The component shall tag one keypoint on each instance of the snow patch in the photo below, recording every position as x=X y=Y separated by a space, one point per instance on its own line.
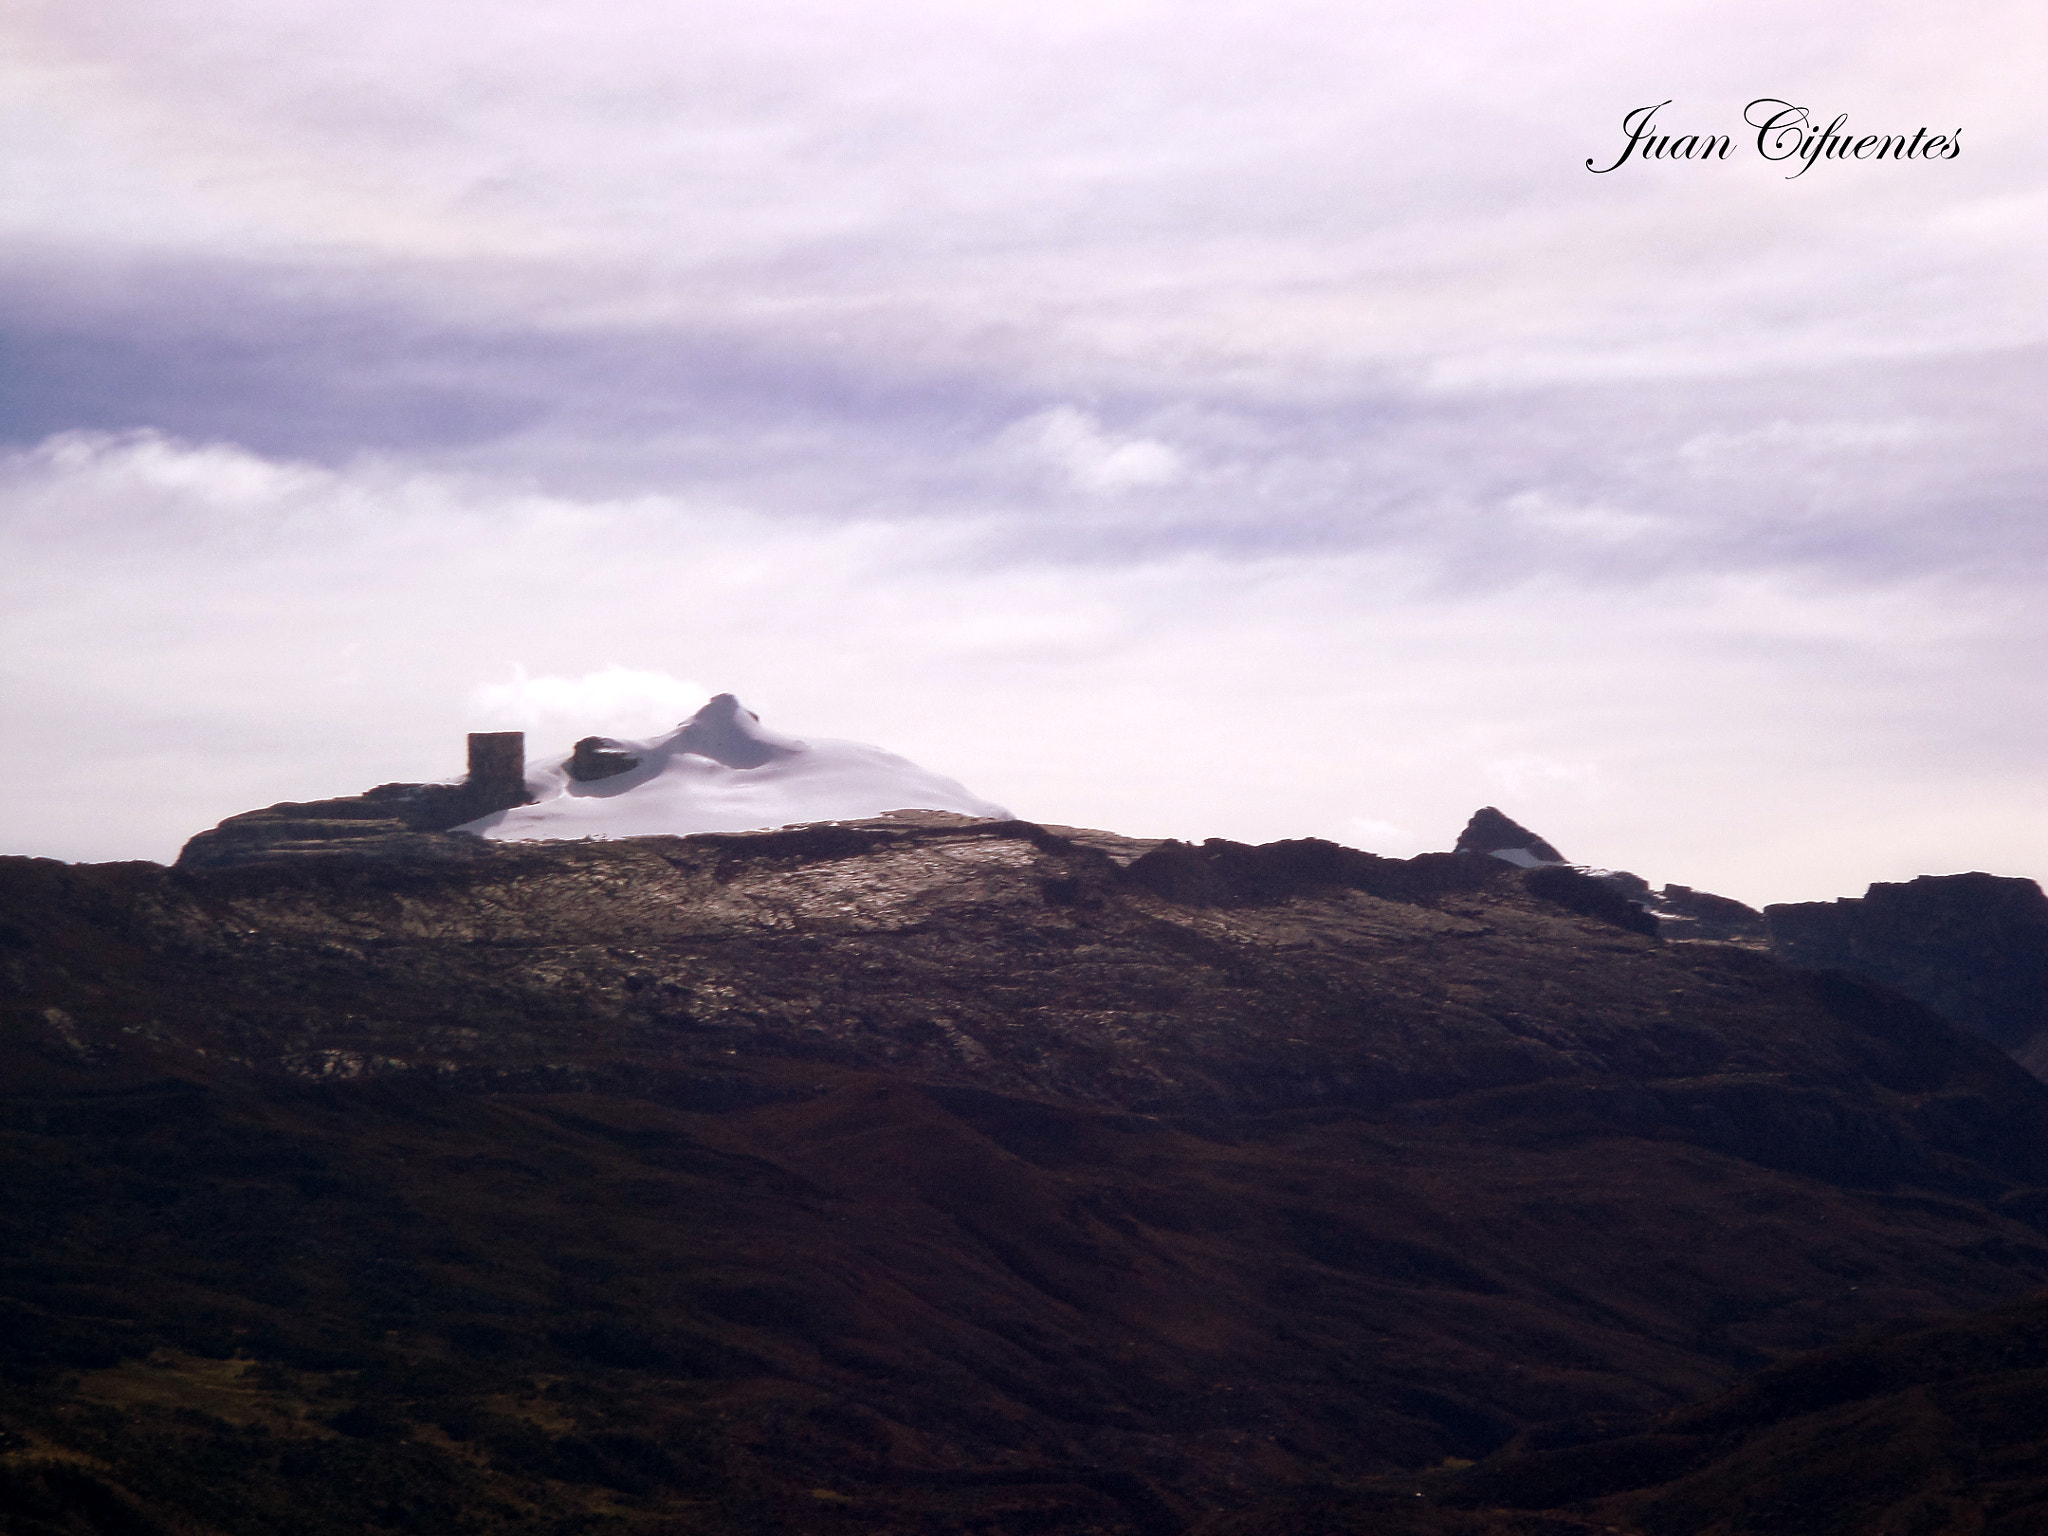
x=721 y=770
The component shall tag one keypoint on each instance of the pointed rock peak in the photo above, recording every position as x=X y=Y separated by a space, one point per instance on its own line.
x=1491 y=832
x=727 y=732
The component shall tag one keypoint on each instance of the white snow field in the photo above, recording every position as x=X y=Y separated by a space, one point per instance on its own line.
x=721 y=771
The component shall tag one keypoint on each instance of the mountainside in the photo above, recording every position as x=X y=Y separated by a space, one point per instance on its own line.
x=720 y=770
x=1972 y=947
x=930 y=1173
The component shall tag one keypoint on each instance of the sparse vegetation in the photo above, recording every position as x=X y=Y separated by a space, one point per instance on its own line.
x=668 y=1188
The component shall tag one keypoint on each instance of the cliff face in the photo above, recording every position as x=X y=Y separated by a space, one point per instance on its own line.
x=1972 y=947
x=979 y=1174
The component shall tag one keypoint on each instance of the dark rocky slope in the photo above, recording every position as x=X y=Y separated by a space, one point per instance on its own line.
x=1973 y=947
x=925 y=1174
x=1675 y=912
x=1933 y=1429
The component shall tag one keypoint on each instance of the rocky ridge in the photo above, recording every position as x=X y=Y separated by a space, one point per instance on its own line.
x=995 y=954
x=984 y=1175
x=392 y=821
x=1973 y=947
x=1676 y=912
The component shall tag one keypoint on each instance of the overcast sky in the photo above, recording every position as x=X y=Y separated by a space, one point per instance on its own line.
x=1195 y=419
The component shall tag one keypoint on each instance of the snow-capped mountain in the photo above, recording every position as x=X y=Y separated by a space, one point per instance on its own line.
x=721 y=770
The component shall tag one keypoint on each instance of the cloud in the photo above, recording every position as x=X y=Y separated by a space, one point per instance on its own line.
x=1523 y=774
x=1093 y=460
x=1239 y=419
x=616 y=701
x=1387 y=838
x=205 y=630
x=1277 y=197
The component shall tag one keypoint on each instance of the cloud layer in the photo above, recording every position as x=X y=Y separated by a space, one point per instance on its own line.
x=243 y=630
x=1226 y=420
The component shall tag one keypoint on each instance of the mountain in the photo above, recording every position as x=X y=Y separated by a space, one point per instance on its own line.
x=937 y=1173
x=1677 y=912
x=719 y=771
x=1973 y=947
x=1490 y=831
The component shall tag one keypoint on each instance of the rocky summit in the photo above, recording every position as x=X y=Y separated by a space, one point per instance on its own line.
x=944 y=1174
x=1491 y=831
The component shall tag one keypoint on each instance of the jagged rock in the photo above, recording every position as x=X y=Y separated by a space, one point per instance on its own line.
x=1695 y=914
x=1634 y=905
x=1613 y=897
x=599 y=757
x=1973 y=947
x=1221 y=873
x=1490 y=831
x=1595 y=897
x=1630 y=885
x=1684 y=913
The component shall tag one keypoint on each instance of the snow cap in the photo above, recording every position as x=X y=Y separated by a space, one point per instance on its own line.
x=727 y=732
x=720 y=770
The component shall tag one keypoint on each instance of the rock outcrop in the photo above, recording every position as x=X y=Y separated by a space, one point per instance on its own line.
x=1490 y=831
x=391 y=821
x=1683 y=913
x=599 y=757
x=1623 y=898
x=1973 y=947
x=1690 y=914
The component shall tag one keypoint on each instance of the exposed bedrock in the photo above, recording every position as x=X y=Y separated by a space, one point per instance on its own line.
x=1973 y=947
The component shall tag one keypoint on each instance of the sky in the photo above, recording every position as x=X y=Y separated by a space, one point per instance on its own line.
x=1191 y=419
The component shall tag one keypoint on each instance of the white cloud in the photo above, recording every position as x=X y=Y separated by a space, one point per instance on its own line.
x=1209 y=419
x=1281 y=195
x=1525 y=774
x=1389 y=839
x=1598 y=524
x=616 y=701
x=205 y=630
x=1091 y=459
